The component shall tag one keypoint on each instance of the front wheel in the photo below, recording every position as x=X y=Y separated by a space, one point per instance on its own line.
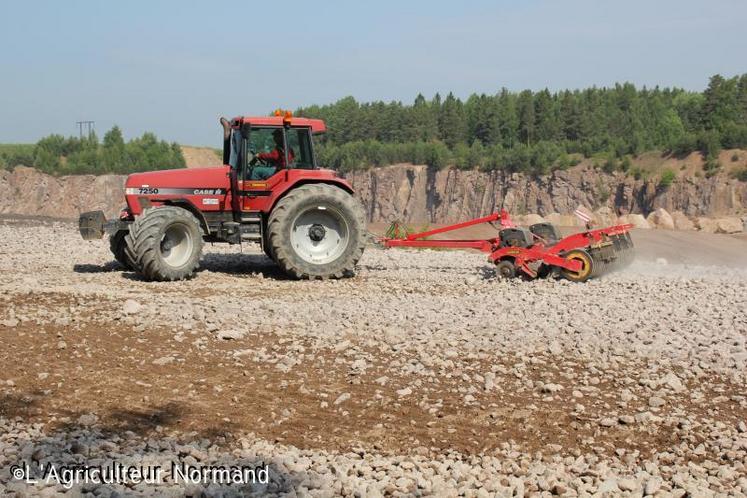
x=165 y=243
x=118 y=246
x=317 y=231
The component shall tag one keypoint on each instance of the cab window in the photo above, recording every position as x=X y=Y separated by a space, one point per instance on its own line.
x=300 y=143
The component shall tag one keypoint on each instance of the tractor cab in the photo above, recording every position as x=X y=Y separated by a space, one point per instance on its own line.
x=259 y=148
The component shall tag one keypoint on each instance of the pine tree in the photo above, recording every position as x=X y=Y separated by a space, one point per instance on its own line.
x=570 y=116
x=547 y=120
x=525 y=108
x=452 y=122
x=720 y=102
x=508 y=119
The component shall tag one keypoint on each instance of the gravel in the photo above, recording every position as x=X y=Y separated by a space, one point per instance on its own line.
x=423 y=375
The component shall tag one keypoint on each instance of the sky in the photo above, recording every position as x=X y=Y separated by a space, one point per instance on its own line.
x=174 y=67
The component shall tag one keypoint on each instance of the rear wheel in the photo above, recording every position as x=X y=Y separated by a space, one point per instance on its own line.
x=317 y=231
x=165 y=243
x=587 y=265
x=118 y=246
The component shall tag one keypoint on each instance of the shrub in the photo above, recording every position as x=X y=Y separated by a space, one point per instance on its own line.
x=563 y=162
x=686 y=144
x=711 y=167
x=610 y=165
x=734 y=136
x=709 y=143
x=604 y=192
x=667 y=177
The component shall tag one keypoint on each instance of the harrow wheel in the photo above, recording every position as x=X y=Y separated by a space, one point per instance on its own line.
x=587 y=265
x=506 y=269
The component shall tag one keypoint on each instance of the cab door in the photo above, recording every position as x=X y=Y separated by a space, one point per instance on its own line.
x=263 y=159
x=270 y=153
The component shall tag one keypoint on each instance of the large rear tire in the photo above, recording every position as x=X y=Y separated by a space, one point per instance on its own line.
x=317 y=231
x=118 y=246
x=165 y=243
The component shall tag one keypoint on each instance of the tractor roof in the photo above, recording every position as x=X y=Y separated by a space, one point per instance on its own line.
x=316 y=125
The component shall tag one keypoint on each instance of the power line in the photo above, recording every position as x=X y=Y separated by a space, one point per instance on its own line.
x=88 y=125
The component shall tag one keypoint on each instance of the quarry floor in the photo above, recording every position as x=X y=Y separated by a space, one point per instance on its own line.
x=423 y=375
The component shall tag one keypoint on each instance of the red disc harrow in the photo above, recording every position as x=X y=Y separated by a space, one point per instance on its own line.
x=536 y=251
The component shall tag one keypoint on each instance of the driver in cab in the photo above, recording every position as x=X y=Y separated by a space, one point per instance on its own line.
x=275 y=159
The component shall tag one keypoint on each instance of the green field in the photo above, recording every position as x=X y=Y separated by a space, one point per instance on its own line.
x=10 y=149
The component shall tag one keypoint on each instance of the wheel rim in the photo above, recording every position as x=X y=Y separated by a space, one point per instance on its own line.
x=319 y=235
x=176 y=245
x=585 y=270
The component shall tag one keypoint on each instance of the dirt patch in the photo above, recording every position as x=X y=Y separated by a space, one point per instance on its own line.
x=141 y=379
x=200 y=157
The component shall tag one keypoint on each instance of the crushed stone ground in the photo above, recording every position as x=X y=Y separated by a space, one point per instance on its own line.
x=423 y=375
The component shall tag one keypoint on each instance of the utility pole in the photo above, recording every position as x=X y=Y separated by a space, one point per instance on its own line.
x=88 y=125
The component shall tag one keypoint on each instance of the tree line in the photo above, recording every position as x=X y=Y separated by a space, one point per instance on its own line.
x=59 y=155
x=532 y=132
x=536 y=132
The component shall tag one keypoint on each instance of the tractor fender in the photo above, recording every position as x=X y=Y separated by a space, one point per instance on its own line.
x=186 y=204
x=338 y=182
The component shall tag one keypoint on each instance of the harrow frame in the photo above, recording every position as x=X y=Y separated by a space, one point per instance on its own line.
x=541 y=252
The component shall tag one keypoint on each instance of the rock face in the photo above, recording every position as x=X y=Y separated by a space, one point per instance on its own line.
x=424 y=194
x=420 y=194
x=27 y=191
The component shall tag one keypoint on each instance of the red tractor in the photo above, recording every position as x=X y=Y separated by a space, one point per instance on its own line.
x=270 y=190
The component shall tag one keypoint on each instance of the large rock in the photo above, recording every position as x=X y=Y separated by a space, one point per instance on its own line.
x=564 y=220
x=531 y=219
x=605 y=216
x=682 y=222
x=660 y=218
x=637 y=220
x=706 y=225
x=729 y=225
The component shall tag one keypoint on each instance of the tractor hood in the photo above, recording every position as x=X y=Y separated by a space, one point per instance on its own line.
x=204 y=189
x=191 y=178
